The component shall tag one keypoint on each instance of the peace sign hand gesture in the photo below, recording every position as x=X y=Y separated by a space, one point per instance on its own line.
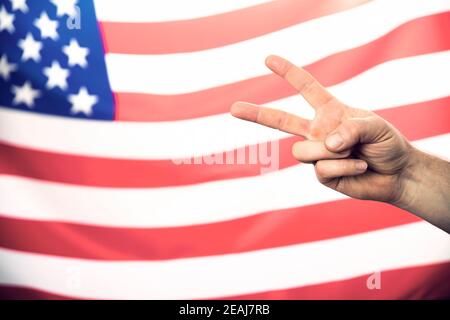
x=354 y=151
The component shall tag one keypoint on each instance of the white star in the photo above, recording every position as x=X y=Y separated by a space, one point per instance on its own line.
x=76 y=54
x=6 y=20
x=65 y=7
x=47 y=26
x=6 y=68
x=19 y=5
x=25 y=94
x=82 y=101
x=31 y=48
x=57 y=76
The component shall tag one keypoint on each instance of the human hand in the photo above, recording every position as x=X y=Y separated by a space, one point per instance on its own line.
x=354 y=151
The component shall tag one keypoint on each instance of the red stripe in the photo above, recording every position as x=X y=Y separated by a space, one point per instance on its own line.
x=218 y=30
x=420 y=36
x=265 y=230
x=415 y=121
x=422 y=282
x=24 y=293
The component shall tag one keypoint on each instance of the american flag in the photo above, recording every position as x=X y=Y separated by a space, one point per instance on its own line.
x=98 y=98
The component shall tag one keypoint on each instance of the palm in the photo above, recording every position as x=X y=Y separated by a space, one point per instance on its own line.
x=327 y=118
x=383 y=156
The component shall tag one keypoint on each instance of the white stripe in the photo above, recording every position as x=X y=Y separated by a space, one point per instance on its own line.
x=167 y=10
x=172 y=206
x=181 y=73
x=234 y=274
x=161 y=207
x=387 y=85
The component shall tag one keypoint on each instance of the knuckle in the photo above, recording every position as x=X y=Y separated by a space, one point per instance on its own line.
x=282 y=121
x=348 y=166
x=350 y=129
x=306 y=85
x=353 y=128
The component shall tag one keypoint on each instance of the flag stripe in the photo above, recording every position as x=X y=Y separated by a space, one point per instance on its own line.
x=180 y=73
x=266 y=230
x=222 y=29
x=414 y=40
x=153 y=208
x=233 y=274
x=23 y=293
x=424 y=282
x=416 y=121
x=207 y=135
x=154 y=11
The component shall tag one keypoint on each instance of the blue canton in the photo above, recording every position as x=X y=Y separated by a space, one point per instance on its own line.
x=52 y=59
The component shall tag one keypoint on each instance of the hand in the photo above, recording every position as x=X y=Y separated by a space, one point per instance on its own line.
x=354 y=151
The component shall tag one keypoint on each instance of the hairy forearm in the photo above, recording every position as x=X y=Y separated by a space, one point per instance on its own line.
x=425 y=189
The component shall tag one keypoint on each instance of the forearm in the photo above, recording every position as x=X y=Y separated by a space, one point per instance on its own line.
x=425 y=189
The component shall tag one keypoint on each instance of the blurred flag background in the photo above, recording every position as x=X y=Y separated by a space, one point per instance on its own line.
x=98 y=97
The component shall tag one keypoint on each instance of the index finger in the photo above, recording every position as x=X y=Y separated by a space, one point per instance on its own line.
x=301 y=80
x=272 y=118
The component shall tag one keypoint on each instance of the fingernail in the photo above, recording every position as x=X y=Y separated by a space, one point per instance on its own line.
x=236 y=107
x=273 y=62
x=361 y=166
x=334 y=141
x=244 y=111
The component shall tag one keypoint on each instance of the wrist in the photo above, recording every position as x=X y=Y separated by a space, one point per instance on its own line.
x=424 y=188
x=409 y=179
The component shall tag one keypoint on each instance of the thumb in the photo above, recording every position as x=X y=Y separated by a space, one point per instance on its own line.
x=355 y=130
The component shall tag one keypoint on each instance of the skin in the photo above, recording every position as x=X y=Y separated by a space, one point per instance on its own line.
x=355 y=151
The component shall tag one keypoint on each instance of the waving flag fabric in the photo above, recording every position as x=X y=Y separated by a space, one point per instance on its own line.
x=101 y=99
